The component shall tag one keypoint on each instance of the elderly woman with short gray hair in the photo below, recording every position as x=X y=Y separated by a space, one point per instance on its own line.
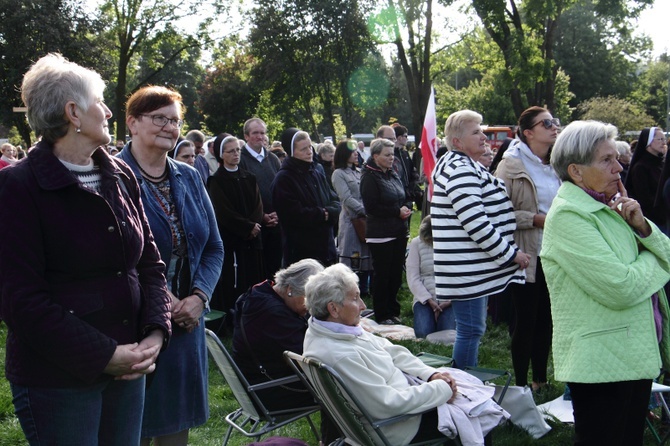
x=605 y=265
x=269 y=319
x=372 y=367
x=83 y=292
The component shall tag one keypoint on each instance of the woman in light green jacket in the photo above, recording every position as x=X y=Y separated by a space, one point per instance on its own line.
x=605 y=266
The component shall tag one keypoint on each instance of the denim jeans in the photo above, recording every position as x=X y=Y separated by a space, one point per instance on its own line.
x=107 y=413
x=425 y=323
x=470 y=327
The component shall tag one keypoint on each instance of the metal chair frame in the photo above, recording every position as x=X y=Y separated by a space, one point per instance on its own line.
x=252 y=419
x=344 y=406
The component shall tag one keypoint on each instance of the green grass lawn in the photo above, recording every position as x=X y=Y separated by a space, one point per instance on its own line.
x=494 y=353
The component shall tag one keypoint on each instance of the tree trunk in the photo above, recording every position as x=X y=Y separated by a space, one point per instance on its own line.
x=120 y=93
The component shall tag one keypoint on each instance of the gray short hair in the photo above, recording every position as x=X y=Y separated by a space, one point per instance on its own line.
x=377 y=145
x=195 y=136
x=453 y=126
x=49 y=84
x=330 y=285
x=623 y=148
x=296 y=275
x=576 y=144
x=250 y=121
x=325 y=148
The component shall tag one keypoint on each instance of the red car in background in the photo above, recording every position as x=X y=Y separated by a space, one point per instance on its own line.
x=497 y=134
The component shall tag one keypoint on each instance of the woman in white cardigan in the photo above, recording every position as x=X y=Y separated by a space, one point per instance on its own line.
x=430 y=313
x=372 y=366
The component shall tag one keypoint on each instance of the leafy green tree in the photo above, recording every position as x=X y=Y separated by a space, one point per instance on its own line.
x=623 y=114
x=229 y=95
x=652 y=89
x=599 y=54
x=28 y=31
x=131 y=24
x=173 y=59
x=408 y=24
x=471 y=74
x=526 y=32
x=307 y=53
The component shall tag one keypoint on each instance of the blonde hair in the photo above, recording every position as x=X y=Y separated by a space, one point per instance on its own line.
x=453 y=127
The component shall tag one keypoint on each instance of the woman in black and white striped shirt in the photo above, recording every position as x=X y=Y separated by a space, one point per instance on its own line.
x=473 y=223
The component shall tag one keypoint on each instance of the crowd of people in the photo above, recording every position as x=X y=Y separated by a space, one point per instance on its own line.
x=120 y=252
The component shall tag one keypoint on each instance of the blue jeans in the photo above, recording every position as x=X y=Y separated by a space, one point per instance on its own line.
x=425 y=323
x=107 y=413
x=470 y=327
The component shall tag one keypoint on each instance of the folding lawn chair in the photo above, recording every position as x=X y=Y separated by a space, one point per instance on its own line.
x=253 y=419
x=344 y=406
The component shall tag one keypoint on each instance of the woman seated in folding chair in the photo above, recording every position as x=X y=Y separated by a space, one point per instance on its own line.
x=372 y=366
x=270 y=318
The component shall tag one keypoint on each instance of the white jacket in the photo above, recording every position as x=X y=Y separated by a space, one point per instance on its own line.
x=373 y=369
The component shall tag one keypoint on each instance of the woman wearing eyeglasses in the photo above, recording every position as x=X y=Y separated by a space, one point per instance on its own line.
x=532 y=185
x=645 y=170
x=239 y=214
x=184 y=228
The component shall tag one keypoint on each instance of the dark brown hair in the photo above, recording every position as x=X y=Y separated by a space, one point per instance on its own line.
x=526 y=120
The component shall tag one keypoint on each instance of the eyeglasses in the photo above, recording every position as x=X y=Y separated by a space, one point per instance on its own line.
x=547 y=123
x=161 y=121
x=237 y=150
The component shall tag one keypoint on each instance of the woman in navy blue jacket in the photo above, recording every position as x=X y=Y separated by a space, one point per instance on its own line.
x=306 y=205
x=183 y=223
x=83 y=292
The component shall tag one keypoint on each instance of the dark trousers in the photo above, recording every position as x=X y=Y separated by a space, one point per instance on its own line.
x=531 y=338
x=387 y=261
x=610 y=414
x=272 y=251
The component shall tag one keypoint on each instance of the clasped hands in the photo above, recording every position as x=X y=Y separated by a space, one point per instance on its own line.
x=444 y=376
x=131 y=361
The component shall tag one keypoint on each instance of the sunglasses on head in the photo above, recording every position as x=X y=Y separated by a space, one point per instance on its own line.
x=547 y=123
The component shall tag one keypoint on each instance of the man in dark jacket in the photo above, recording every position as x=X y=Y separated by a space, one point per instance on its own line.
x=264 y=165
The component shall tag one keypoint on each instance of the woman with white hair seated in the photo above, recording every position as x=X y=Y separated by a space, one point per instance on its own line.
x=605 y=265
x=373 y=368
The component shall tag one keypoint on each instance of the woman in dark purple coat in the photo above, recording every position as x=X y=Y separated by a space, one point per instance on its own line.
x=83 y=292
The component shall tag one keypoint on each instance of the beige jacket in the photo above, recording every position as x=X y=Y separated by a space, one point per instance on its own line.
x=521 y=191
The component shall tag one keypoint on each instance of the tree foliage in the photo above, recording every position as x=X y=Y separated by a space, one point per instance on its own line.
x=229 y=95
x=621 y=113
x=131 y=24
x=408 y=24
x=526 y=32
x=598 y=53
x=30 y=30
x=652 y=90
x=307 y=52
